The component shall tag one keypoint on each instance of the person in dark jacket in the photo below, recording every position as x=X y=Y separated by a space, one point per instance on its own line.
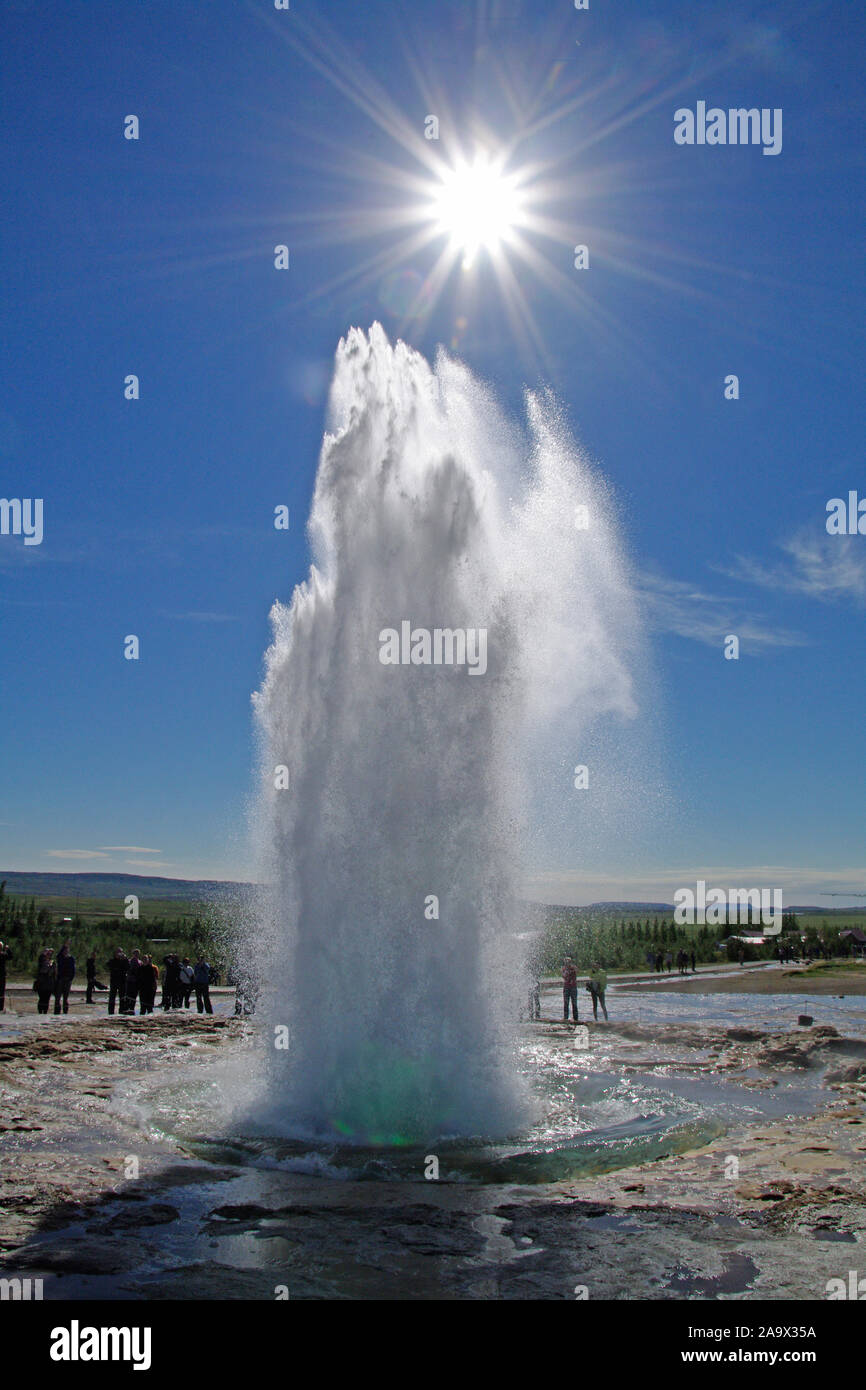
x=148 y=978
x=92 y=982
x=171 y=994
x=569 y=989
x=65 y=976
x=201 y=979
x=117 y=971
x=5 y=955
x=46 y=979
x=133 y=982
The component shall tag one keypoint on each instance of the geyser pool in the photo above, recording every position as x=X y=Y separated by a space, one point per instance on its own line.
x=392 y=818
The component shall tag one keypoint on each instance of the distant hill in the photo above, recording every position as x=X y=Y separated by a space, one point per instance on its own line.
x=629 y=907
x=146 y=886
x=667 y=909
x=38 y=885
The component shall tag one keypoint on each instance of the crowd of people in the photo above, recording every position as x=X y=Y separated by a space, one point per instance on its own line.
x=661 y=961
x=132 y=980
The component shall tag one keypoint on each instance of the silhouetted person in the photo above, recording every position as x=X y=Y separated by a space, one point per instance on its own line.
x=171 y=982
x=133 y=982
x=92 y=982
x=569 y=989
x=5 y=955
x=148 y=978
x=694 y=964
x=45 y=983
x=201 y=979
x=65 y=976
x=118 y=968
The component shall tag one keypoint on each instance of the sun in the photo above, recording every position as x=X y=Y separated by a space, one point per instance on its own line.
x=476 y=205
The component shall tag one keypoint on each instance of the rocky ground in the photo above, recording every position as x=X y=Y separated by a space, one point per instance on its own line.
x=772 y=1212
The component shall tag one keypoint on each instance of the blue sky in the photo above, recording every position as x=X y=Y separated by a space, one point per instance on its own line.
x=306 y=128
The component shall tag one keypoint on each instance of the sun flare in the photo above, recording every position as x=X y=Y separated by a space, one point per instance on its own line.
x=477 y=206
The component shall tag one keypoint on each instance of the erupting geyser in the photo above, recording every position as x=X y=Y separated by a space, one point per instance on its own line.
x=387 y=942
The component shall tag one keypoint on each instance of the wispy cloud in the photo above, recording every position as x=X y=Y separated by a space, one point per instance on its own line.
x=131 y=849
x=822 y=567
x=76 y=854
x=684 y=609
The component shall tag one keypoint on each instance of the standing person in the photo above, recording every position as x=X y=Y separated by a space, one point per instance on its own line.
x=46 y=979
x=132 y=985
x=5 y=954
x=660 y=960
x=90 y=969
x=669 y=960
x=694 y=964
x=535 y=999
x=597 y=986
x=65 y=976
x=117 y=971
x=148 y=977
x=201 y=979
x=185 y=984
x=171 y=982
x=569 y=989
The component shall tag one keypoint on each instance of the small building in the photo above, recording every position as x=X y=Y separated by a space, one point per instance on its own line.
x=857 y=940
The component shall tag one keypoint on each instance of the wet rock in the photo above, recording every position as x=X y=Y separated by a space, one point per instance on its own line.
x=157 y=1214
x=243 y=1211
x=107 y=1257
x=767 y=1192
x=857 y=1072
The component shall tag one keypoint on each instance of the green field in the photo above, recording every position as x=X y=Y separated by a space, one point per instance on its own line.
x=172 y=924
x=103 y=909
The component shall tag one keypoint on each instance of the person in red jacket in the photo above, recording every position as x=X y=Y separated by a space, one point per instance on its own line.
x=569 y=989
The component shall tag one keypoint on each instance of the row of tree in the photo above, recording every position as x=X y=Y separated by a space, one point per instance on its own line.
x=27 y=930
x=626 y=945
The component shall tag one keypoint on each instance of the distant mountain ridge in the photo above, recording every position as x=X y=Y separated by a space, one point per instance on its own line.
x=113 y=885
x=631 y=907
